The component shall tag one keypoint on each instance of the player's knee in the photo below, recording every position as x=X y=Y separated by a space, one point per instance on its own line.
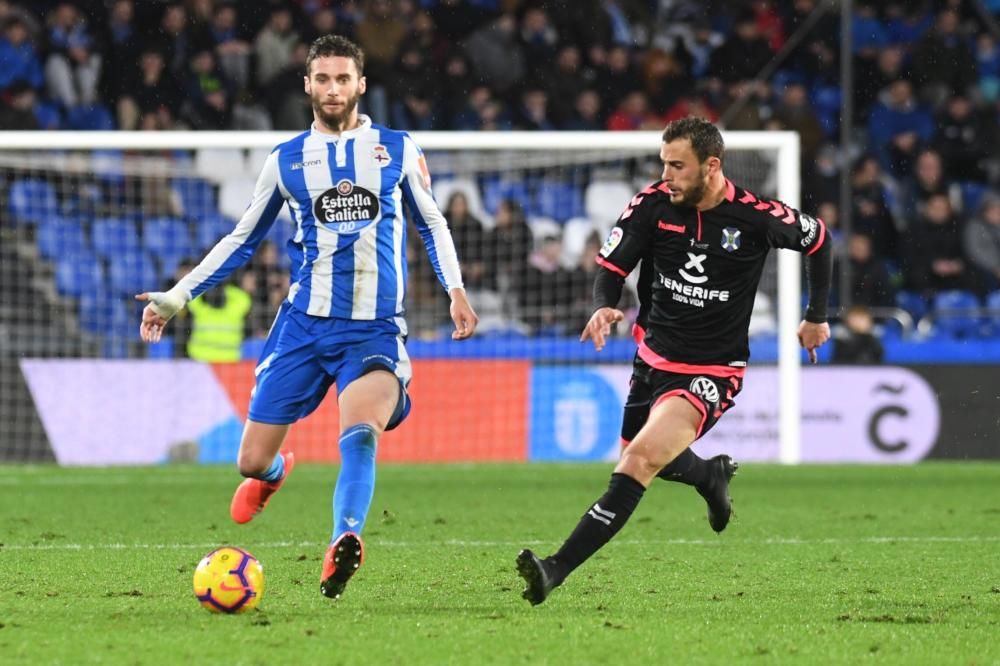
x=640 y=464
x=251 y=464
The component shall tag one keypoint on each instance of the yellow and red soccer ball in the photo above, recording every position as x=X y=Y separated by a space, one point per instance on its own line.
x=229 y=580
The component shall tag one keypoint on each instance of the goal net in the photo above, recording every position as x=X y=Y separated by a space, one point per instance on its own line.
x=88 y=220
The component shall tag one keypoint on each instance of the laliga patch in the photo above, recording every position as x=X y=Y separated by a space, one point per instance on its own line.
x=346 y=208
x=381 y=156
x=614 y=240
x=706 y=388
x=731 y=239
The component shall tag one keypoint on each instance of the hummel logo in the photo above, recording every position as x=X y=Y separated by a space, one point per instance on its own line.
x=666 y=226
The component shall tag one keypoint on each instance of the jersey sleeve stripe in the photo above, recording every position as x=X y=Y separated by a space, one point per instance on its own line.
x=822 y=237
x=601 y=261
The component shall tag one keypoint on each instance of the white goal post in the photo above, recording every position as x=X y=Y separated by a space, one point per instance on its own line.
x=785 y=145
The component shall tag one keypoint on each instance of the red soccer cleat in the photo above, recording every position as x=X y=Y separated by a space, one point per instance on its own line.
x=342 y=560
x=252 y=495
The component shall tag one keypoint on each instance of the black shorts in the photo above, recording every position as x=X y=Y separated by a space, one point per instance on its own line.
x=710 y=394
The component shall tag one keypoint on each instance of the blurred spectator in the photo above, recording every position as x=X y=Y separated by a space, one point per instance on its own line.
x=855 y=342
x=232 y=52
x=745 y=105
x=538 y=37
x=871 y=280
x=769 y=23
x=267 y=283
x=988 y=66
x=617 y=77
x=289 y=108
x=928 y=179
x=899 y=127
x=413 y=90
x=943 y=63
x=874 y=76
x=152 y=99
x=906 y=22
x=795 y=113
x=507 y=246
x=482 y=112
x=218 y=321
x=455 y=83
x=691 y=105
x=274 y=46
x=821 y=179
x=496 y=55
x=665 y=79
x=73 y=68
x=934 y=259
x=633 y=113
x=870 y=210
x=17 y=107
x=743 y=54
x=209 y=103
x=564 y=82
x=533 y=111
x=173 y=39
x=579 y=289
x=982 y=240
x=381 y=34
x=470 y=241
x=963 y=140
x=122 y=47
x=586 y=112
x=536 y=286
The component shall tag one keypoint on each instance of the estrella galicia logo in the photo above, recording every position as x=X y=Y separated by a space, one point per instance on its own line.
x=730 y=239
x=706 y=388
x=346 y=208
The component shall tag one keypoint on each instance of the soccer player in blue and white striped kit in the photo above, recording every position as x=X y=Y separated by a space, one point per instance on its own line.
x=344 y=181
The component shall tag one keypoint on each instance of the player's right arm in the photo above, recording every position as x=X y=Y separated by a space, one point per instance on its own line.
x=621 y=252
x=231 y=252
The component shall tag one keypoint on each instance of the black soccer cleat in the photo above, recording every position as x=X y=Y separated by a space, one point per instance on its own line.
x=538 y=575
x=716 y=493
x=342 y=560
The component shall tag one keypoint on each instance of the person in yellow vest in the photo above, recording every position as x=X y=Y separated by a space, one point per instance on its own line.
x=218 y=318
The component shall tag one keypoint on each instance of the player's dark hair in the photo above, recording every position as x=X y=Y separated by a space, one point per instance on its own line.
x=338 y=46
x=705 y=138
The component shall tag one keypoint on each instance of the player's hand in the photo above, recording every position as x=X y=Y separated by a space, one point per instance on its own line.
x=463 y=315
x=163 y=305
x=599 y=326
x=812 y=337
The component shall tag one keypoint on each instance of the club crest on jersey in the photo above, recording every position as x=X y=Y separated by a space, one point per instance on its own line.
x=614 y=238
x=381 y=156
x=731 y=239
x=346 y=208
x=706 y=388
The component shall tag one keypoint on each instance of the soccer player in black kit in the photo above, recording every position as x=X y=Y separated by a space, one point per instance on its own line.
x=704 y=241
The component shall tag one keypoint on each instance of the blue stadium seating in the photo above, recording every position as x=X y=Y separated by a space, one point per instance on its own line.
x=992 y=326
x=198 y=197
x=956 y=314
x=210 y=228
x=78 y=274
x=496 y=190
x=103 y=313
x=913 y=303
x=133 y=273
x=30 y=201
x=558 y=200
x=58 y=236
x=167 y=237
x=113 y=237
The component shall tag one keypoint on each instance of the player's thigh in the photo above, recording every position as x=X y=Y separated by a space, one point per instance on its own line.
x=371 y=399
x=672 y=426
x=260 y=443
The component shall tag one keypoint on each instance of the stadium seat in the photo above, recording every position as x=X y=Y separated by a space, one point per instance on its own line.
x=992 y=327
x=575 y=234
x=972 y=196
x=197 y=197
x=30 y=201
x=167 y=237
x=103 y=313
x=78 y=274
x=496 y=190
x=209 y=229
x=92 y=118
x=957 y=314
x=57 y=236
x=557 y=199
x=604 y=201
x=221 y=164
x=913 y=303
x=133 y=273
x=113 y=237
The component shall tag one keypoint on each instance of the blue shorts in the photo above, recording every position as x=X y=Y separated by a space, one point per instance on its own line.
x=304 y=355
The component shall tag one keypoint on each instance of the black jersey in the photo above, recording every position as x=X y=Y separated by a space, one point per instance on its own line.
x=702 y=268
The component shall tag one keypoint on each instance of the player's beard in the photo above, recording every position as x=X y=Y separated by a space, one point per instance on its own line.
x=694 y=194
x=333 y=120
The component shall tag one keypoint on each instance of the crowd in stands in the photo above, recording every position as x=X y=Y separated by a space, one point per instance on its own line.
x=923 y=160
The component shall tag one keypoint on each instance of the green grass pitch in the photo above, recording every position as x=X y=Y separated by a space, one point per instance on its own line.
x=820 y=565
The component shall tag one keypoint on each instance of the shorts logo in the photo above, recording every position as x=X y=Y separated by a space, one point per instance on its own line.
x=614 y=239
x=346 y=208
x=381 y=156
x=731 y=239
x=706 y=388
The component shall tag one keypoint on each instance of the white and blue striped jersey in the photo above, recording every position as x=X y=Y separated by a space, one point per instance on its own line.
x=345 y=194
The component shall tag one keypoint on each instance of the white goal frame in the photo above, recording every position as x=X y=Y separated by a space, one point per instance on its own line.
x=786 y=145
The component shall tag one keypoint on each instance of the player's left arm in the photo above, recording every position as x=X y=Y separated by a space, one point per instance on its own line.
x=808 y=235
x=433 y=229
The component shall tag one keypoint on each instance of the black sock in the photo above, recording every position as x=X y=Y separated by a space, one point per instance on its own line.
x=686 y=468
x=601 y=522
